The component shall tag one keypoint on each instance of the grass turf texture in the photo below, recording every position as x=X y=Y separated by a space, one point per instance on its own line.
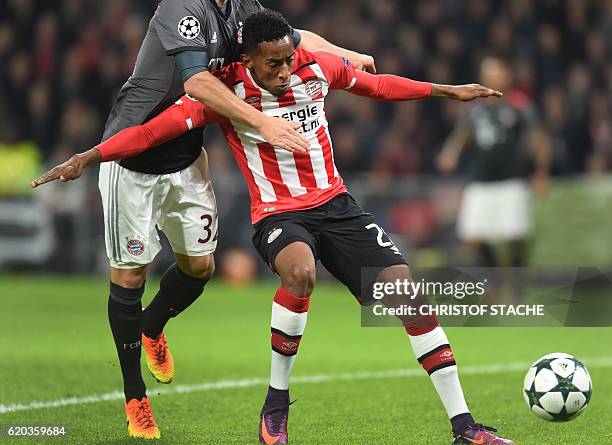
x=55 y=344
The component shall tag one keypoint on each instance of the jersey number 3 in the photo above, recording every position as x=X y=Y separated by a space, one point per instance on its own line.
x=208 y=222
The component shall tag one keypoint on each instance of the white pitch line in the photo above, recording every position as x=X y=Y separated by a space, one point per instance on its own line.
x=599 y=362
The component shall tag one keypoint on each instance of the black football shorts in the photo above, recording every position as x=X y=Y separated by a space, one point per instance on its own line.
x=346 y=239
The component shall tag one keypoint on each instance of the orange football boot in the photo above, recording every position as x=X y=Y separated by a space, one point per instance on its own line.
x=140 y=420
x=159 y=358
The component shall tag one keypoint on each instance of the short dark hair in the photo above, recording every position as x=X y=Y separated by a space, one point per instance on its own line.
x=263 y=26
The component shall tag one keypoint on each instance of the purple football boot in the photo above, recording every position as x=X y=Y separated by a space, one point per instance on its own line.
x=273 y=418
x=480 y=435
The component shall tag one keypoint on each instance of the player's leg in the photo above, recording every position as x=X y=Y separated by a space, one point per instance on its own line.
x=514 y=211
x=290 y=247
x=478 y=222
x=189 y=220
x=516 y=214
x=478 y=225
x=434 y=353
x=519 y=249
x=131 y=245
x=180 y=286
x=359 y=253
x=484 y=253
x=295 y=265
x=485 y=257
x=125 y=319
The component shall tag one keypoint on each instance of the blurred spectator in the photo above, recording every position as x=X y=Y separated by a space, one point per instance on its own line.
x=238 y=267
x=601 y=134
x=42 y=120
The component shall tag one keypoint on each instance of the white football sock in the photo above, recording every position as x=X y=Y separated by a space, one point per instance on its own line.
x=289 y=315
x=437 y=358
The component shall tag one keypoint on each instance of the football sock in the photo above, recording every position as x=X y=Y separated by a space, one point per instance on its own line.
x=486 y=256
x=289 y=314
x=277 y=397
x=518 y=253
x=177 y=291
x=436 y=357
x=125 y=318
x=462 y=422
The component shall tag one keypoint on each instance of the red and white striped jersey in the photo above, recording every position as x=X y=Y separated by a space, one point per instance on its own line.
x=278 y=180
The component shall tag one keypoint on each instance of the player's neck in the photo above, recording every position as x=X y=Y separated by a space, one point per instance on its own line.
x=221 y=3
x=257 y=82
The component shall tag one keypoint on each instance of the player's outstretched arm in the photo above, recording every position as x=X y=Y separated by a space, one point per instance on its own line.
x=209 y=90
x=177 y=119
x=342 y=75
x=464 y=93
x=395 y=88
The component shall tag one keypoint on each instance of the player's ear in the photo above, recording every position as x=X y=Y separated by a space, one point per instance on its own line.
x=246 y=61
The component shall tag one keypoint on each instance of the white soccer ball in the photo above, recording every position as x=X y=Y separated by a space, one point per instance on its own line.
x=557 y=387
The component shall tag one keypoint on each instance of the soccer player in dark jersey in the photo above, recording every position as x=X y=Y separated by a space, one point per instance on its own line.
x=168 y=187
x=300 y=207
x=505 y=146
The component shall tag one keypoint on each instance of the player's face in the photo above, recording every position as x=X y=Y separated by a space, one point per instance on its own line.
x=271 y=65
x=495 y=74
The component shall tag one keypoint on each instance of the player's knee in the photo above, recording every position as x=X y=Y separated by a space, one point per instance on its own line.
x=414 y=324
x=300 y=279
x=202 y=268
x=129 y=278
x=125 y=296
x=394 y=273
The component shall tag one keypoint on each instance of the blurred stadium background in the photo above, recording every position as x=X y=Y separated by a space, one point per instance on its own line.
x=62 y=62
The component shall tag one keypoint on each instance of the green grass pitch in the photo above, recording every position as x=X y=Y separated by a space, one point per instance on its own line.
x=56 y=344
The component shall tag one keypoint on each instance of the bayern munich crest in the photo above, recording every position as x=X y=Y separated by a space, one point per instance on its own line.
x=189 y=27
x=135 y=247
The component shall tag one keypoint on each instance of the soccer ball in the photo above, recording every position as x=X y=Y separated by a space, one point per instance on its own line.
x=557 y=387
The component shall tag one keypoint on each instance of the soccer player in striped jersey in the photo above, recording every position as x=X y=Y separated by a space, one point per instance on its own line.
x=300 y=207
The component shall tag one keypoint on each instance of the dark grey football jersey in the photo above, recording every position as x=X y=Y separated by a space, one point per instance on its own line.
x=178 y=25
x=499 y=148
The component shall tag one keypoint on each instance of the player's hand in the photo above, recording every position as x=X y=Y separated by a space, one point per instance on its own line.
x=365 y=62
x=447 y=162
x=71 y=169
x=540 y=182
x=464 y=93
x=283 y=134
x=467 y=93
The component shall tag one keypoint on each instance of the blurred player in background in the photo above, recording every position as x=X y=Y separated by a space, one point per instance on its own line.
x=300 y=207
x=168 y=187
x=505 y=146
